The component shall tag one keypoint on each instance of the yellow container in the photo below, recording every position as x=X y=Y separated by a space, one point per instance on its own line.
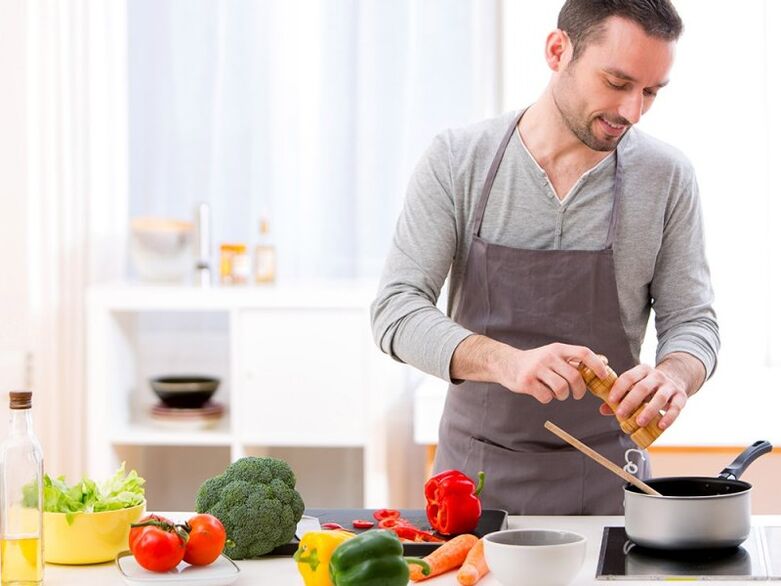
x=92 y=538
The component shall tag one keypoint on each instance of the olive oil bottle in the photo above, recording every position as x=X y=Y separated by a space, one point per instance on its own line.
x=21 y=498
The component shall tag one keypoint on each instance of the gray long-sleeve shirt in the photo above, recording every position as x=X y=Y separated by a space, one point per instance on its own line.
x=659 y=251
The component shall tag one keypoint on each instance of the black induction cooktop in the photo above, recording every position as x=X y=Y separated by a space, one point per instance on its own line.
x=757 y=558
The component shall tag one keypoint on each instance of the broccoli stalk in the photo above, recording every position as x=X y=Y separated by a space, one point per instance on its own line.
x=256 y=500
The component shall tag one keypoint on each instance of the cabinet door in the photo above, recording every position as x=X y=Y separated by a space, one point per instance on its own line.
x=302 y=376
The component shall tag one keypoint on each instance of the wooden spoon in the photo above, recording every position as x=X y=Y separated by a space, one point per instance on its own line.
x=600 y=459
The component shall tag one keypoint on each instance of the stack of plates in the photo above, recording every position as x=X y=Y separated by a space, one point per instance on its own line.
x=204 y=417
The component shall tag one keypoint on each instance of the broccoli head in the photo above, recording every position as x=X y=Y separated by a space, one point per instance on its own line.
x=257 y=502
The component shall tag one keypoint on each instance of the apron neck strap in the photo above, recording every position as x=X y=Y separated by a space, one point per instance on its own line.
x=489 y=180
x=477 y=223
x=617 y=181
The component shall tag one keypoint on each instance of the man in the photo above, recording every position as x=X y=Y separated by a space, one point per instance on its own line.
x=560 y=226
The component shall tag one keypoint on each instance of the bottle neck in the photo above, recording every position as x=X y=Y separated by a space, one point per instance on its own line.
x=21 y=422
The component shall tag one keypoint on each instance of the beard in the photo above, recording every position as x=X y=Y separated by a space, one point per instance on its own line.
x=581 y=125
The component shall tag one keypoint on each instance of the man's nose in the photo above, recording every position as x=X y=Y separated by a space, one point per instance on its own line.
x=632 y=107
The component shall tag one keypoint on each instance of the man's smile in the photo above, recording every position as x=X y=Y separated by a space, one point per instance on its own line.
x=611 y=128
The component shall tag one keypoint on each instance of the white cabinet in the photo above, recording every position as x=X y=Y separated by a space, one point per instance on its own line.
x=299 y=371
x=314 y=390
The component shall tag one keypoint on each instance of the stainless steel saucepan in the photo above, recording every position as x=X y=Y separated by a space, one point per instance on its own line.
x=694 y=512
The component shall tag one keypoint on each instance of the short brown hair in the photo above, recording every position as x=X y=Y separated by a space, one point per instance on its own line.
x=583 y=20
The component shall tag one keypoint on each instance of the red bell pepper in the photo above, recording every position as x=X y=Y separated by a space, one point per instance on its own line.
x=452 y=502
x=412 y=533
x=381 y=514
x=363 y=524
x=392 y=520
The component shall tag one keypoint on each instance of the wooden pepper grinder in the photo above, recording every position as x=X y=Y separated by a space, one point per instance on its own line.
x=642 y=436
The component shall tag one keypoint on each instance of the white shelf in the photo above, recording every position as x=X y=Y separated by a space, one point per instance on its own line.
x=309 y=295
x=292 y=356
x=148 y=433
x=294 y=442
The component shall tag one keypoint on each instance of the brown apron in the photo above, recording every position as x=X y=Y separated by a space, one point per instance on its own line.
x=527 y=299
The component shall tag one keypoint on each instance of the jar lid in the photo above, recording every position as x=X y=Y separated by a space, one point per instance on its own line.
x=21 y=399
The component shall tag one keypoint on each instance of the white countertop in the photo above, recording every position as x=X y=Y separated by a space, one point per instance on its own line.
x=283 y=571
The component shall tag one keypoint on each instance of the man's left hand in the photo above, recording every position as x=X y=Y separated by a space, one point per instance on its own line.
x=660 y=388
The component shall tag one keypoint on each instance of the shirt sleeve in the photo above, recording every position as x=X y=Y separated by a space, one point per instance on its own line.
x=681 y=291
x=406 y=323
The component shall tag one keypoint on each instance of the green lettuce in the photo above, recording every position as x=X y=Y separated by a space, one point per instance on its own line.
x=121 y=491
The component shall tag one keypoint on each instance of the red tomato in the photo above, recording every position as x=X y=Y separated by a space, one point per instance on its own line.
x=207 y=540
x=158 y=549
x=135 y=532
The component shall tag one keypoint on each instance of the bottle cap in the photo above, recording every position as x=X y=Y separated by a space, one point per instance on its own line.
x=21 y=399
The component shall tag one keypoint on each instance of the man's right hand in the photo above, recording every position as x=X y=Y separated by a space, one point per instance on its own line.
x=546 y=373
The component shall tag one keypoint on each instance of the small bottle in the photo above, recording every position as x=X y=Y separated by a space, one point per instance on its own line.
x=21 y=498
x=265 y=256
x=234 y=264
x=241 y=266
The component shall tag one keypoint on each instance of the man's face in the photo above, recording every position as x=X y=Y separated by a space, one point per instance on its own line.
x=612 y=83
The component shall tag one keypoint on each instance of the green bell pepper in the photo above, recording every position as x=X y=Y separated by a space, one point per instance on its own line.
x=373 y=558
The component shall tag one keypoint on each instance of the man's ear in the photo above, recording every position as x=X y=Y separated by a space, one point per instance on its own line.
x=558 y=50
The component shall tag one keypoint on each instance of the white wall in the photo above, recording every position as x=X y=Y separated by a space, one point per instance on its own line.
x=717 y=110
x=13 y=197
x=720 y=109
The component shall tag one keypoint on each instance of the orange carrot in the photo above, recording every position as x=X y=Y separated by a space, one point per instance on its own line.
x=474 y=567
x=446 y=557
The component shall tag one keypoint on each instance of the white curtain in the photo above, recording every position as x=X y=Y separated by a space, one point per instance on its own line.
x=14 y=340
x=311 y=111
x=77 y=204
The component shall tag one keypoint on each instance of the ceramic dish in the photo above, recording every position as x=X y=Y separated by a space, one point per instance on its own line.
x=220 y=573
x=188 y=391
x=534 y=557
x=160 y=248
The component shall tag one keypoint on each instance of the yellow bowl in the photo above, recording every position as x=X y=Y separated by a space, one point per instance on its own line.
x=92 y=538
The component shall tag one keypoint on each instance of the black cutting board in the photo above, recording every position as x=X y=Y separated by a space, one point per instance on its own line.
x=491 y=520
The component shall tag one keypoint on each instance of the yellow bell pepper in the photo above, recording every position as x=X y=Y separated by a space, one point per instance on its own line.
x=314 y=553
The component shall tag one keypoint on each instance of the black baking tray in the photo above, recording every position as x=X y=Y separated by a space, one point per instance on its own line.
x=491 y=520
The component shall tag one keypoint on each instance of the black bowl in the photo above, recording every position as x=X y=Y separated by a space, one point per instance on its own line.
x=184 y=392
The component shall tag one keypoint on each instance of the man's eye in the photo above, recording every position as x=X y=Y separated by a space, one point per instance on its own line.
x=616 y=86
x=650 y=93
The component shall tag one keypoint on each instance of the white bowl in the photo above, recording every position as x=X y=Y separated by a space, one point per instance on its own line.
x=161 y=249
x=534 y=557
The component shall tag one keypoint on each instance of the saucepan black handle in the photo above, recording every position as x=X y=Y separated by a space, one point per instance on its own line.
x=746 y=457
